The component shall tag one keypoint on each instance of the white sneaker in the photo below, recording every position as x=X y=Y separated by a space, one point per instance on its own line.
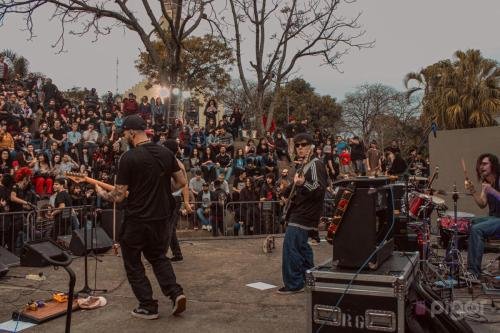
x=209 y=227
x=204 y=227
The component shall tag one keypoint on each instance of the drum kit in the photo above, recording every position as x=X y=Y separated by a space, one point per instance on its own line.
x=418 y=204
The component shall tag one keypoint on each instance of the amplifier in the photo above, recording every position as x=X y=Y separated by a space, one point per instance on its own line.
x=376 y=301
x=366 y=222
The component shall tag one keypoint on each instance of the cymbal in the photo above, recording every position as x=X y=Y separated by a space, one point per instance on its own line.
x=418 y=178
x=443 y=192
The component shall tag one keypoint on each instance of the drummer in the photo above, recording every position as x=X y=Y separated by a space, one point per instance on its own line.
x=488 y=173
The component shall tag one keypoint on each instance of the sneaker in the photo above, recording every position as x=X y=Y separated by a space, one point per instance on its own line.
x=144 y=314
x=176 y=259
x=179 y=305
x=203 y=227
x=195 y=228
x=472 y=278
x=286 y=291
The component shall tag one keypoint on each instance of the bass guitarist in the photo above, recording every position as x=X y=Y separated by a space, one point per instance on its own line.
x=302 y=217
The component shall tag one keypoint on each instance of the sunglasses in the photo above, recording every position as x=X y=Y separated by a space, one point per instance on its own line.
x=301 y=144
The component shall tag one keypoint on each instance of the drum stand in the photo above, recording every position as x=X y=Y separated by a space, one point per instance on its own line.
x=453 y=258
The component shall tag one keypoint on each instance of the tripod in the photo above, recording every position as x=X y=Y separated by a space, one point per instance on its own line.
x=86 y=288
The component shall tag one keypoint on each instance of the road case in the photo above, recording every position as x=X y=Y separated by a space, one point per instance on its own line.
x=375 y=302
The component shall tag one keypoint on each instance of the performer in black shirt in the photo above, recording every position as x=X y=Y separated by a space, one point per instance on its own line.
x=303 y=218
x=145 y=175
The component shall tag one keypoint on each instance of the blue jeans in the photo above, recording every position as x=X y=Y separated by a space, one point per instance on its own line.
x=227 y=174
x=482 y=228
x=201 y=216
x=297 y=257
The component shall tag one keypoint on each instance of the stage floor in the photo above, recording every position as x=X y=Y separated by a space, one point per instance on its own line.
x=214 y=275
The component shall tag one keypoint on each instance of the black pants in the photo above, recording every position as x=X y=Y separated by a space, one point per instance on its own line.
x=174 y=242
x=150 y=239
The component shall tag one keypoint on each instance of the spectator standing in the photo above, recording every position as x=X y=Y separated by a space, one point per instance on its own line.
x=374 y=156
x=210 y=112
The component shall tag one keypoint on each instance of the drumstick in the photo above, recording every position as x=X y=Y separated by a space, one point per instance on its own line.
x=464 y=169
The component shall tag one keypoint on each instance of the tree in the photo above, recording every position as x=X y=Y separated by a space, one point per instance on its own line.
x=177 y=21
x=362 y=108
x=19 y=65
x=284 y=33
x=297 y=98
x=206 y=61
x=463 y=93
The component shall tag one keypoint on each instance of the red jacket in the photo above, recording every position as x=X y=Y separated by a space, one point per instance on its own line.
x=130 y=106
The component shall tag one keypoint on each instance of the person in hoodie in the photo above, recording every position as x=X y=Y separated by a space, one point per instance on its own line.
x=303 y=217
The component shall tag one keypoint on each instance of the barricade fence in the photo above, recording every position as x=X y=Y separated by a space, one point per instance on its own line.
x=214 y=218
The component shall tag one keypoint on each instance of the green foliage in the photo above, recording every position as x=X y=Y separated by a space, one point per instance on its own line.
x=303 y=103
x=459 y=93
x=18 y=65
x=205 y=63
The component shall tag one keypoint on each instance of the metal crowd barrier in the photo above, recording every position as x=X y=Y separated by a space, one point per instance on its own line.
x=238 y=218
x=17 y=228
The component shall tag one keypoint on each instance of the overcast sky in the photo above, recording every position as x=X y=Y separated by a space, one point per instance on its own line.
x=408 y=35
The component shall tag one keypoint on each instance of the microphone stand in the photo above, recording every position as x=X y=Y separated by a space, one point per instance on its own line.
x=86 y=288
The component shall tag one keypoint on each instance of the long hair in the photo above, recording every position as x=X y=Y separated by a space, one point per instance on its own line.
x=495 y=167
x=22 y=173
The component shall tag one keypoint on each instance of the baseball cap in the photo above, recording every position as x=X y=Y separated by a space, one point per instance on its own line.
x=134 y=122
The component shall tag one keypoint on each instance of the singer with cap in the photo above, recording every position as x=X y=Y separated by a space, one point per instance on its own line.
x=488 y=173
x=148 y=173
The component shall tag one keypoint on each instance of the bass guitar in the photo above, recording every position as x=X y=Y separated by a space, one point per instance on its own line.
x=293 y=191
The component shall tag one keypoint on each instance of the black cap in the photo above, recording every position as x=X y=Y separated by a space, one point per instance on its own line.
x=303 y=137
x=134 y=122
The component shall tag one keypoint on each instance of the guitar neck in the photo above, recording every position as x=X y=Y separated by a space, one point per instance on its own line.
x=104 y=185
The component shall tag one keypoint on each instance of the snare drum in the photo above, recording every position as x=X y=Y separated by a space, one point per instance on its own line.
x=447 y=227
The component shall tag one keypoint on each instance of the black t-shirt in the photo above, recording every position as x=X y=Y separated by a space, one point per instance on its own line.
x=57 y=133
x=5 y=194
x=494 y=203
x=21 y=194
x=147 y=170
x=63 y=197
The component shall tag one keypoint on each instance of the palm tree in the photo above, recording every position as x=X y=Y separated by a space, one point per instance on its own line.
x=460 y=94
x=19 y=65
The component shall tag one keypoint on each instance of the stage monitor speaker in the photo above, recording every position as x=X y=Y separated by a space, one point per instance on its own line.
x=31 y=254
x=97 y=240
x=107 y=222
x=8 y=258
x=366 y=222
x=3 y=270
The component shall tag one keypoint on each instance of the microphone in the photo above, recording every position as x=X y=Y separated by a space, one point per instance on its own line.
x=434 y=129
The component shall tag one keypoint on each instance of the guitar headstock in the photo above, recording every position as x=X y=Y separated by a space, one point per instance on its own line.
x=77 y=177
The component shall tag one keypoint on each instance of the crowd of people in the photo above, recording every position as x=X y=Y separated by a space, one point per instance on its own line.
x=45 y=135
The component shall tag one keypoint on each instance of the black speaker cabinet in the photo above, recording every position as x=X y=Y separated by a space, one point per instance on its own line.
x=8 y=258
x=97 y=240
x=31 y=254
x=107 y=222
x=3 y=269
x=365 y=224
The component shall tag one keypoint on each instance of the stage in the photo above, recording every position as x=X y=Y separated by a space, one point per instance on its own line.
x=214 y=275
